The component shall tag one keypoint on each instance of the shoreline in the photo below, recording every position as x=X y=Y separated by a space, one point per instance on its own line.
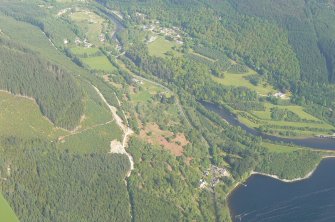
x=284 y=180
x=307 y=176
x=240 y=183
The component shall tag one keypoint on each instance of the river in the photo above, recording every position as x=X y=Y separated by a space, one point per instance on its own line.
x=119 y=27
x=265 y=199
x=313 y=142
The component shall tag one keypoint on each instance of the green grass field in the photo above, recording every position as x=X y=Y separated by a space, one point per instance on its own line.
x=321 y=128
x=96 y=139
x=234 y=79
x=266 y=115
x=161 y=46
x=141 y=96
x=22 y=117
x=6 y=212
x=99 y=63
x=202 y=56
x=80 y=51
x=95 y=111
x=278 y=148
x=146 y=92
x=91 y=24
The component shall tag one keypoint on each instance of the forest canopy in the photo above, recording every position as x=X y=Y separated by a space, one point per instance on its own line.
x=25 y=73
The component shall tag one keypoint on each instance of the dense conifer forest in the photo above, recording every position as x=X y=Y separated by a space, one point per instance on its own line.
x=55 y=91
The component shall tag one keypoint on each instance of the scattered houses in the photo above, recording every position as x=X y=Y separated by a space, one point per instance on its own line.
x=327 y=136
x=137 y=81
x=280 y=95
x=102 y=38
x=173 y=33
x=84 y=42
x=214 y=175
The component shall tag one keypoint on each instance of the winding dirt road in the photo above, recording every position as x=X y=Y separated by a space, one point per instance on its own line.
x=119 y=146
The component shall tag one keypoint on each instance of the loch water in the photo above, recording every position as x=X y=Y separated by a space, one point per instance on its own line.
x=265 y=199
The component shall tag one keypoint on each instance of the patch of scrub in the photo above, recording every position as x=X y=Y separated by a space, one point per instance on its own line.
x=168 y=140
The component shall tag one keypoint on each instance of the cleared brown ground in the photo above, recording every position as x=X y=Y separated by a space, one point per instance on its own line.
x=154 y=135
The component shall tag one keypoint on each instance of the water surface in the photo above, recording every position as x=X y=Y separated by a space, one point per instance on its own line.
x=313 y=142
x=269 y=200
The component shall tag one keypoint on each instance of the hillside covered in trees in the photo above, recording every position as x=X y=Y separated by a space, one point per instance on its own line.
x=102 y=114
x=55 y=91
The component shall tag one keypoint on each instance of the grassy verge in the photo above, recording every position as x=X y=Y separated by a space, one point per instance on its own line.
x=6 y=213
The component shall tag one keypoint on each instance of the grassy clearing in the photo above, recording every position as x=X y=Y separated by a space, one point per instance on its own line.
x=99 y=63
x=301 y=124
x=278 y=148
x=96 y=112
x=97 y=128
x=266 y=115
x=154 y=135
x=96 y=139
x=286 y=123
x=202 y=56
x=22 y=117
x=161 y=46
x=6 y=213
x=91 y=23
x=234 y=79
x=80 y=51
x=145 y=91
x=141 y=96
x=320 y=128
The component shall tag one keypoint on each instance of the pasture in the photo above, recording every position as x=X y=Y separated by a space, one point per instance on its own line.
x=161 y=46
x=238 y=80
x=91 y=24
x=100 y=63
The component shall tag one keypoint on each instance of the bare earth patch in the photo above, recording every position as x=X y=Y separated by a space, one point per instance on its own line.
x=154 y=135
